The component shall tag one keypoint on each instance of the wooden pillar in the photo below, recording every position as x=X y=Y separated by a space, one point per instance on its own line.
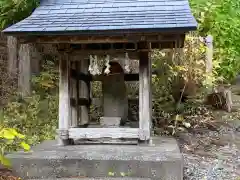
x=64 y=100
x=145 y=101
x=24 y=77
x=209 y=57
x=84 y=92
x=209 y=53
x=74 y=95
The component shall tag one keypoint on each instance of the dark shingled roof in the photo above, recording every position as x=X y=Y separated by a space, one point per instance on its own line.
x=99 y=16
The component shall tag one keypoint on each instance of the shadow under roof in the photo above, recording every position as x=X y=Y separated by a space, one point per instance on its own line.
x=106 y=17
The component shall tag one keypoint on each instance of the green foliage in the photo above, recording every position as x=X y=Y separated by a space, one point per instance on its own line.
x=47 y=82
x=10 y=140
x=35 y=116
x=182 y=69
x=12 y=11
x=181 y=73
x=221 y=18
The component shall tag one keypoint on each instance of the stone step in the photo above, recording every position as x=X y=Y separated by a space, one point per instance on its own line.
x=107 y=178
x=160 y=159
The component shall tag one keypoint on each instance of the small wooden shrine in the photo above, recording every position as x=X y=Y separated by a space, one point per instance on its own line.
x=87 y=31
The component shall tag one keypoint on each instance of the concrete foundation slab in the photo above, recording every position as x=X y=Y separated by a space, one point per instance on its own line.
x=122 y=178
x=160 y=160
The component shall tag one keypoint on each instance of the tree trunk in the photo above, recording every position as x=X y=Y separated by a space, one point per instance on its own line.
x=12 y=55
x=24 y=78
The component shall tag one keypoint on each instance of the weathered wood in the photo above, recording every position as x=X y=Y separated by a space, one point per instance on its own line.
x=12 y=44
x=93 y=101
x=84 y=92
x=24 y=76
x=107 y=141
x=73 y=87
x=78 y=93
x=209 y=57
x=113 y=53
x=80 y=102
x=118 y=54
x=89 y=77
x=96 y=133
x=81 y=76
x=64 y=99
x=209 y=53
x=145 y=96
x=130 y=38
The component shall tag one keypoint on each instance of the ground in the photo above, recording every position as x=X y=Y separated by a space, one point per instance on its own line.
x=6 y=174
x=214 y=154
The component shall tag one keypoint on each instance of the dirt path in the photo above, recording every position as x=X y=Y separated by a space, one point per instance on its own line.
x=6 y=174
x=214 y=154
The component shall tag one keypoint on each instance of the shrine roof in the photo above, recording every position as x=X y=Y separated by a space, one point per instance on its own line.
x=106 y=17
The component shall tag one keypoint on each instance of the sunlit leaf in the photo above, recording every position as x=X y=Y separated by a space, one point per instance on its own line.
x=179 y=117
x=5 y=161
x=25 y=146
x=15 y=133
x=111 y=173
x=122 y=174
x=6 y=134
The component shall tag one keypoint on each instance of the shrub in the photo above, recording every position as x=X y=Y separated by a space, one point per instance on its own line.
x=33 y=116
x=221 y=18
x=182 y=74
x=12 y=11
x=36 y=115
x=10 y=140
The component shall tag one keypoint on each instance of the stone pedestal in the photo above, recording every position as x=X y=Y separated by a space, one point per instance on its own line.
x=115 y=101
x=159 y=160
x=110 y=122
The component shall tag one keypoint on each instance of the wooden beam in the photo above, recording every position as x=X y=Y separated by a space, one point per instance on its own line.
x=80 y=102
x=131 y=77
x=145 y=95
x=107 y=141
x=88 y=77
x=133 y=38
x=96 y=133
x=81 y=76
x=113 y=53
x=93 y=101
x=64 y=100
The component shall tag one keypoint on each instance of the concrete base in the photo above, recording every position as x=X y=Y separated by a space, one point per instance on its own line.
x=160 y=160
x=121 y=178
